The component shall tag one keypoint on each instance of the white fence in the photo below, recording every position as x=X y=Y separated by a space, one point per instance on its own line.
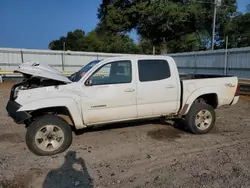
x=232 y=62
x=226 y=62
x=63 y=61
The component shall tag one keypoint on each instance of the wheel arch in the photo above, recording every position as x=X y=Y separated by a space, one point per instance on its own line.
x=61 y=111
x=208 y=97
x=65 y=106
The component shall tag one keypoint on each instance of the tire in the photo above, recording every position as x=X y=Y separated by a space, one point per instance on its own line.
x=48 y=135
x=199 y=122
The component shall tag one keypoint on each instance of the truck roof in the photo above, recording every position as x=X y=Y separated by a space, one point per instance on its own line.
x=138 y=57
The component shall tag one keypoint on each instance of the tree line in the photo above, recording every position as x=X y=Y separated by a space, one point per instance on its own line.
x=169 y=26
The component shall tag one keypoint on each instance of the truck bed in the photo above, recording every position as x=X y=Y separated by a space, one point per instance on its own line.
x=224 y=87
x=200 y=76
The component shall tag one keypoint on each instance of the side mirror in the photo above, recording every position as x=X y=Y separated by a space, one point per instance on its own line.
x=88 y=82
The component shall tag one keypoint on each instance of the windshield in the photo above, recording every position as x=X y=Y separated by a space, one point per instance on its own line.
x=79 y=74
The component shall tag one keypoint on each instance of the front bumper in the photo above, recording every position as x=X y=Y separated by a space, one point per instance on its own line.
x=19 y=117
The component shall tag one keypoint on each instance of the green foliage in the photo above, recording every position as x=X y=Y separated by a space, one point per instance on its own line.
x=95 y=41
x=73 y=41
x=238 y=30
x=175 y=24
x=167 y=25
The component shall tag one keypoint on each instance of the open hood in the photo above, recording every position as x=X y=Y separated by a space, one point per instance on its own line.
x=36 y=69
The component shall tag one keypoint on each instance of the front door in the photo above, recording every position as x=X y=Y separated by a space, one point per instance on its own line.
x=110 y=94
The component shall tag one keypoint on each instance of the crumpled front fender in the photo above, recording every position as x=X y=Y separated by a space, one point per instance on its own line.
x=67 y=102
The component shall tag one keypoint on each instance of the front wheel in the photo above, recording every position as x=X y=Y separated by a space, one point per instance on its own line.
x=48 y=135
x=200 y=118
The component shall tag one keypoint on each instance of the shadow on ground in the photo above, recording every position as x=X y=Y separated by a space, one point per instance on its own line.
x=172 y=129
x=115 y=126
x=73 y=173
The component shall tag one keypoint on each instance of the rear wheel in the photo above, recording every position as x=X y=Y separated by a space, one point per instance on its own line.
x=48 y=135
x=200 y=118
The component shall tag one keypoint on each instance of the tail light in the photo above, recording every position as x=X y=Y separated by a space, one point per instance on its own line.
x=237 y=92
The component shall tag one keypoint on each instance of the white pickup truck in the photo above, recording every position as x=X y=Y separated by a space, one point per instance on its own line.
x=113 y=90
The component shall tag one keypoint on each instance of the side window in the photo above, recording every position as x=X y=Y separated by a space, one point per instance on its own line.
x=152 y=70
x=112 y=73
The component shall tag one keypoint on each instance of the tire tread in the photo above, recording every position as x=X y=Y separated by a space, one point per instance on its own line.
x=43 y=120
x=190 y=117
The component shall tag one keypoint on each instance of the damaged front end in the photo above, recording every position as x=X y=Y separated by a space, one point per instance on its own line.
x=28 y=83
x=35 y=75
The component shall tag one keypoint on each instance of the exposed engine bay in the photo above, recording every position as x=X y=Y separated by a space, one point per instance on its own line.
x=31 y=82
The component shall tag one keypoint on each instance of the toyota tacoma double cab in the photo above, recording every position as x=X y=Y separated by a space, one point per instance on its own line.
x=109 y=91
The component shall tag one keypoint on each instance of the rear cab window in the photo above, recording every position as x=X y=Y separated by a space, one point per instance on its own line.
x=153 y=70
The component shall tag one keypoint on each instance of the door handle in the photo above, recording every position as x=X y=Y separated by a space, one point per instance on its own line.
x=170 y=86
x=129 y=90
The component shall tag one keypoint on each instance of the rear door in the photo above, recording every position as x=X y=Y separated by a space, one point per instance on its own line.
x=157 y=88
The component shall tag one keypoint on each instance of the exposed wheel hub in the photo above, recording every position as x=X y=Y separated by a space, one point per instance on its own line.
x=49 y=138
x=203 y=119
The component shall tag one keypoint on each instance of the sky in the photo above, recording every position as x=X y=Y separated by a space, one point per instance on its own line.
x=33 y=24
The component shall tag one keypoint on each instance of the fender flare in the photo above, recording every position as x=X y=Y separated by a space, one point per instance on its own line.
x=67 y=102
x=196 y=94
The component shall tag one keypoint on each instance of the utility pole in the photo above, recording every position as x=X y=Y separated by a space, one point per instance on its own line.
x=64 y=46
x=226 y=56
x=216 y=3
x=63 y=56
x=214 y=23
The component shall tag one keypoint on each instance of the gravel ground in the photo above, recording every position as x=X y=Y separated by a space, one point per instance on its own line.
x=146 y=154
